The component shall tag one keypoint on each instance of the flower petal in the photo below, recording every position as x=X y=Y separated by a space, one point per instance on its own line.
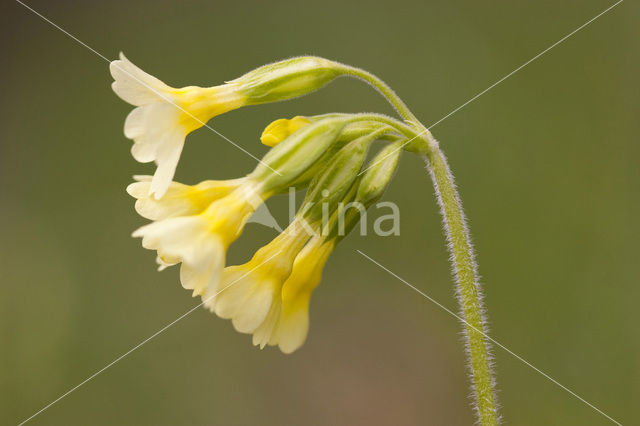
x=134 y=85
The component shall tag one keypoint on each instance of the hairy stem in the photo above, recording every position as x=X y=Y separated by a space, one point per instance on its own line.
x=467 y=286
x=385 y=90
x=461 y=251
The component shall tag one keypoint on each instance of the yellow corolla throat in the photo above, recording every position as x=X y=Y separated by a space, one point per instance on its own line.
x=180 y=199
x=281 y=129
x=200 y=104
x=227 y=216
x=249 y=294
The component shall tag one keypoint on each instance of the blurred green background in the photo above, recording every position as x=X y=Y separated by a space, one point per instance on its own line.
x=547 y=165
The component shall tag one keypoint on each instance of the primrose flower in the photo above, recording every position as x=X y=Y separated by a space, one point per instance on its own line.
x=200 y=241
x=269 y=295
x=249 y=294
x=292 y=326
x=180 y=199
x=164 y=115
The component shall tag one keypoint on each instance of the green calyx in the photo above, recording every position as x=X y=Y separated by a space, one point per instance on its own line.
x=349 y=133
x=367 y=190
x=377 y=176
x=335 y=179
x=286 y=79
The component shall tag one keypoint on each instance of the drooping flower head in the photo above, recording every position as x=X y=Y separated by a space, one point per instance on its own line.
x=269 y=296
x=194 y=225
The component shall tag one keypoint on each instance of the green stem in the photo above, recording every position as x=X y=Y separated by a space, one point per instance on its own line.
x=384 y=89
x=467 y=287
x=462 y=255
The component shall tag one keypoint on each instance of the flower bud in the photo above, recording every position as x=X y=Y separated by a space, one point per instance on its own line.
x=376 y=178
x=334 y=181
x=353 y=130
x=370 y=187
x=281 y=129
x=296 y=154
x=286 y=79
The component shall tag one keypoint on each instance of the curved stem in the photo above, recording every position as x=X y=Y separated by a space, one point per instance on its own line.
x=423 y=135
x=467 y=286
x=461 y=250
x=385 y=90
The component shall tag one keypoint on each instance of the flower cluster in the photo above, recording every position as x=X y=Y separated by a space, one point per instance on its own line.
x=193 y=225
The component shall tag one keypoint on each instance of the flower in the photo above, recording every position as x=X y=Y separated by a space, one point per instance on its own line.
x=281 y=129
x=247 y=292
x=200 y=241
x=291 y=329
x=180 y=199
x=269 y=295
x=165 y=115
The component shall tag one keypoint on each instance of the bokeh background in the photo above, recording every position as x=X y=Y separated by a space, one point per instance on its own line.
x=547 y=165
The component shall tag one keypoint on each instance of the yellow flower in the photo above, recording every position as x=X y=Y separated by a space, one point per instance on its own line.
x=165 y=115
x=180 y=199
x=200 y=241
x=291 y=329
x=247 y=292
x=280 y=129
x=269 y=295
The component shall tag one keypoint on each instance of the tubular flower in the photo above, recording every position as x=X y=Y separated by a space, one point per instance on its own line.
x=269 y=295
x=292 y=326
x=249 y=294
x=200 y=241
x=165 y=115
x=180 y=199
